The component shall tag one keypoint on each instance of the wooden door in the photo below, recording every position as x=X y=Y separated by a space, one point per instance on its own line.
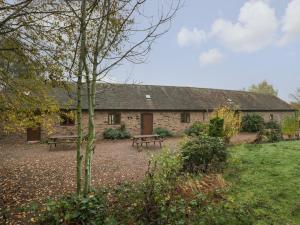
x=34 y=134
x=147 y=123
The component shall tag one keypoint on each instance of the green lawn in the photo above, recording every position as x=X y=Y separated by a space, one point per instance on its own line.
x=267 y=178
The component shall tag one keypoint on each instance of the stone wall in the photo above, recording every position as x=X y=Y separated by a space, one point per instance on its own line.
x=172 y=121
x=277 y=116
x=132 y=121
x=169 y=120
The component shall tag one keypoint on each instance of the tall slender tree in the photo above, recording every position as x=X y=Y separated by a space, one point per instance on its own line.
x=82 y=56
x=117 y=31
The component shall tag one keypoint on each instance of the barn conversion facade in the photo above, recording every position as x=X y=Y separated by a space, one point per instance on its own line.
x=142 y=108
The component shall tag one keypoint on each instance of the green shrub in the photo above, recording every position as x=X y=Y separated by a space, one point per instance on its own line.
x=144 y=204
x=128 y=203
x=116 y=133
x=203 y=154
x=149 y=202
x=75 y=210
x=163 y=132
x=232 y=213
x=290 y=126
x=166 y=165
x=216 y=127
x=272 y=124
x=196 y=129
x=252 y=123
x=273 y=135
x=269 y=135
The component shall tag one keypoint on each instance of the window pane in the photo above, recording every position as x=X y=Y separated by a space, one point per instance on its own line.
x=110 y=120
x=114 y=118
x=185 y=117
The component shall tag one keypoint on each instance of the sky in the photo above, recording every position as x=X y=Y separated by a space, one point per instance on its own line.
x=226 y=45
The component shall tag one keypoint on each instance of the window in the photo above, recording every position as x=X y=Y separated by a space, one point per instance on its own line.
x=67 y=118
x=114 y=118
x=271 y=117
x=185 y=117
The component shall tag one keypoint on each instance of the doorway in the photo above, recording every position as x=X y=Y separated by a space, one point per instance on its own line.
x=147 y=123
x=34 y=134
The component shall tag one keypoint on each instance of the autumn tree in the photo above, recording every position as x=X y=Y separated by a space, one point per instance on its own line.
x=45 y=41
x=25 y=99
x=32 y=60
x=263 y=88
x=45 y=38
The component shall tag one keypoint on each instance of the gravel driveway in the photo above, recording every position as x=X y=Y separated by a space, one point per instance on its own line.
x=30 y=172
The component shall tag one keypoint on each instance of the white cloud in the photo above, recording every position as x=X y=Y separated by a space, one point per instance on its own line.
x=291 y=23
x=212 y=56
x=256 y=28
x=188 y=37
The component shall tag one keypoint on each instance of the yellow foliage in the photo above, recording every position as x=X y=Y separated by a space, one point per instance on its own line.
x=232 y=121
x=25 y=91
x=27 y=105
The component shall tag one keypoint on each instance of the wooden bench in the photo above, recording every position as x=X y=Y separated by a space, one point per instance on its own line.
x=50 y=143
x=139 y=140
x=140 y=143
x=160 y=141
x=55 y=140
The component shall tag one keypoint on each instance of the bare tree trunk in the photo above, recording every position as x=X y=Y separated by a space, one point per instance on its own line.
x=91 y=90
x=104 y=52
x=79 y=138
x=90 y=140
x=79 y=97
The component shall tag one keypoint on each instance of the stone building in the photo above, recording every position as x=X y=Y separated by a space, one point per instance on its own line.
x=142 y=108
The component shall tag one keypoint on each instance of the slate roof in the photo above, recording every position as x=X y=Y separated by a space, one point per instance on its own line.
x=170 y=98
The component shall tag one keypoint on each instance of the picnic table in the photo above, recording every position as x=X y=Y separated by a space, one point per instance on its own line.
x=60 y=139
x=139 y=140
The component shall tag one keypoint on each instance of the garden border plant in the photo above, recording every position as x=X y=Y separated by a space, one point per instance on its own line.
x=270 y=134
x=198 y=128
x=252 y=123
x=216 y=127
x=116 y=133
x=290 y=126
x=163 y=132
x=204 y=154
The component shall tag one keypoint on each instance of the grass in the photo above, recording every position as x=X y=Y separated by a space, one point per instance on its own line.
x=267 y=178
